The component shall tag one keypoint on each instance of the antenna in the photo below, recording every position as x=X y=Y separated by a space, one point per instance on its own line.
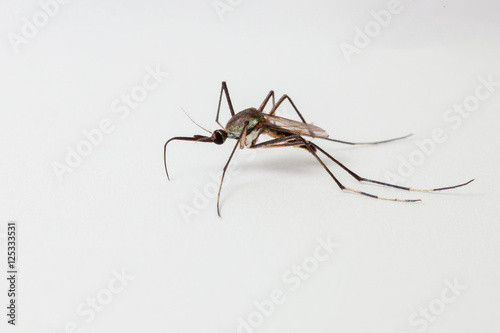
x=194 y=121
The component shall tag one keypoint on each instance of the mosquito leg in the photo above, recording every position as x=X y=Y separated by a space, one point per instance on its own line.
x=281 y=100
x=284 y=97
x=298 y=141
x=227 y=164
x=224 y=89
x=264 y=103
x=243 y=137
x=363 y=179
x=223 y=173
x=368 y=143
x=287 y=141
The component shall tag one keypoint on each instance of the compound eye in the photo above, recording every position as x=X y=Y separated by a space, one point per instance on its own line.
x=218 y=139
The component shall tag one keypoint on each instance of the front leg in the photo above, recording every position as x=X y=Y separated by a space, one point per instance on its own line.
x=227 y=164
x=224 y=90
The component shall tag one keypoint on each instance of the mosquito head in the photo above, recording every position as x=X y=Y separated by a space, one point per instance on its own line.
x=219 y=136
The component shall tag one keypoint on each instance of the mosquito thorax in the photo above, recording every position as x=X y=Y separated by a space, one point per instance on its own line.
x=236 y=125
x=219 y=136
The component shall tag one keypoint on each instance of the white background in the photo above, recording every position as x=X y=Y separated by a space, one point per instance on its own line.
x=116 y=210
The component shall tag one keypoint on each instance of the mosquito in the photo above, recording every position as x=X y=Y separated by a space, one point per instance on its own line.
x=248 y=125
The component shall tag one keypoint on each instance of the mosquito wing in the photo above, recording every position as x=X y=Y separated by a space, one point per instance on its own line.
x=281 y=124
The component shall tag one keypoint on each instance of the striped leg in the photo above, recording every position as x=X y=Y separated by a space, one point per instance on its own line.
x=363 y=179
x=298 y=141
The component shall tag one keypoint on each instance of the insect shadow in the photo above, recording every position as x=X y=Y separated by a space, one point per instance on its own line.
x=248 y=125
